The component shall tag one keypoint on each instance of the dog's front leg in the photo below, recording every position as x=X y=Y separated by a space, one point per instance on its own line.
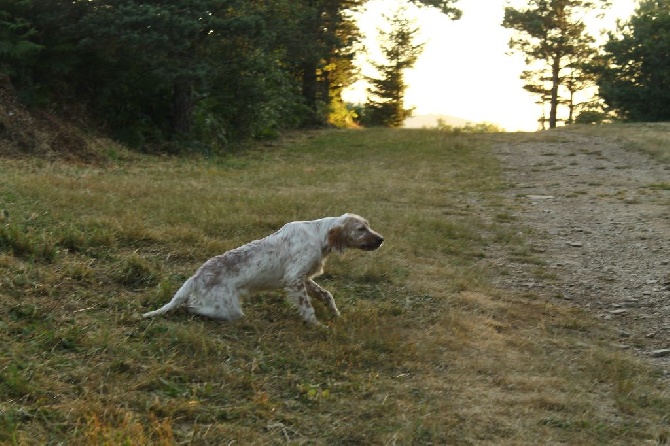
x=297 y=292
x=314 y=290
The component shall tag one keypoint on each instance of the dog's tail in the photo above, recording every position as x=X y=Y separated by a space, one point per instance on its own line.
x=180 y=296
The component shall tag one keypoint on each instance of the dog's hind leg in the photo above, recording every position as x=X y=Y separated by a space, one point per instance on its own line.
x=219 y=303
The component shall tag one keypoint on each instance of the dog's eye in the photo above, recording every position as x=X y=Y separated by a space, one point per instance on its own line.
x=362 y=229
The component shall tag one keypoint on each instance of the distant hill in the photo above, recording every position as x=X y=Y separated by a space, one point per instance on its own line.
x=431 y=121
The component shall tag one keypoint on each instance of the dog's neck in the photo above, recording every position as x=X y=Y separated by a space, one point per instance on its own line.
x=325 y=226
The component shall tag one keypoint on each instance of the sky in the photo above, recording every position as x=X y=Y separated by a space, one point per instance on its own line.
x=465 y=70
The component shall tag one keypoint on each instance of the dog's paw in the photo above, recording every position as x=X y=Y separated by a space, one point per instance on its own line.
x=314 y=323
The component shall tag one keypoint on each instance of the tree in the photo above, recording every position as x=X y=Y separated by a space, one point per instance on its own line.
x=188 y=72
x=552 y=35
x=163 y=75
x=578 y=78
x=317 y=37
x=446 y=7
x=633 y=75
x=386 y=96
x=161 y=47
x=15 y=33
x=321 y=52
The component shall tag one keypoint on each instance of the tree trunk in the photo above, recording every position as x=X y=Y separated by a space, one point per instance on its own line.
x=553 y=101
x=309 y=89
x=182 y=107
x=571 y=106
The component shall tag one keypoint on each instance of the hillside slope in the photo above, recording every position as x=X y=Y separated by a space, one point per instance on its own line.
x=34 y=132
x=434 y=347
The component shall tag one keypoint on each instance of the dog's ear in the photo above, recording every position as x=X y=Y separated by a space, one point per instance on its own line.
x=336 y=239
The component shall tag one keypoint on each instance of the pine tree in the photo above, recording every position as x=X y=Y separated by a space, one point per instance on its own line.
x=386 y=96
x=15 y=34
x=552 y=35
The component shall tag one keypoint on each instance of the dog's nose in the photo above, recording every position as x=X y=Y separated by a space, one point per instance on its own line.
x=373 y=243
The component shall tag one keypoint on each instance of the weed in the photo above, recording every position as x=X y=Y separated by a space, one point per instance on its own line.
x=85 y=239
x=25 y=312
x=24 y=243
x=14 y=384
x=659 y=186
x=137 y=272
x=505 y=217
x=8 y=427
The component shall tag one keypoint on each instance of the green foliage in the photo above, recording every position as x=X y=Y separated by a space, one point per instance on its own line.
x=634 y=72
x=188 y=74
x=591 y=116
x=16 y=31
x=157 y=48
x=386 y=104
x=185 y=75
x=253 y=98
x=342 y=115
x=480 y=127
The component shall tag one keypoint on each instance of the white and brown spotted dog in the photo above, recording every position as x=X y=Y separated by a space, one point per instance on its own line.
x=289 y=259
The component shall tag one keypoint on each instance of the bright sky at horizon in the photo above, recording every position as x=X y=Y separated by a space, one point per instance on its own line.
x=465 y=70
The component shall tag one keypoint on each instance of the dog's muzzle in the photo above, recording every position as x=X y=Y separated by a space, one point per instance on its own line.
x=374 y=244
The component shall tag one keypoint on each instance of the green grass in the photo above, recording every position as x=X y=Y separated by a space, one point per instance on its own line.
x=427 y=351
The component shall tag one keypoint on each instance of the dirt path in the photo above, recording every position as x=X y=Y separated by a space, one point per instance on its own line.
x=601 y=217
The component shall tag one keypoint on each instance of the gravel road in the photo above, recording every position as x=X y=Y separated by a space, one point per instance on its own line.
x=601 y=218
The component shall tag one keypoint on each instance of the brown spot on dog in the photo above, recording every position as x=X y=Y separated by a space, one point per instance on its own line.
x=337 y=239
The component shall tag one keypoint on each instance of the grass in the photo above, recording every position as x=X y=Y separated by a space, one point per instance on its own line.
x=650 y=138
x=428 y=351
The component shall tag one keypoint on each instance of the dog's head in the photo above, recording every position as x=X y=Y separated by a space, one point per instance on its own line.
x=353 y=231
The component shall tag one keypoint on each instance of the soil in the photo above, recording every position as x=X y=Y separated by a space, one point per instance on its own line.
x=34 y=132
x=600 y=215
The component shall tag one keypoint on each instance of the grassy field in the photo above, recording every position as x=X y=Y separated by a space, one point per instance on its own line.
x=428 y=351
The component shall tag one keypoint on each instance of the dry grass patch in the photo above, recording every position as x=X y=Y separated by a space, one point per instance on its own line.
x=427 y=351
x=651 y=138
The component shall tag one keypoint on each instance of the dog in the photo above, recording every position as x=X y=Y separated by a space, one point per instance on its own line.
x=289 y=259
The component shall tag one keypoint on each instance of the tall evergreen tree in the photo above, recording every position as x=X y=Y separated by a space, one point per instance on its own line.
x=552 y=35
x=324 y=52
x=318 y=42
x=386 y=96
x=633 y=75
x=16 y=31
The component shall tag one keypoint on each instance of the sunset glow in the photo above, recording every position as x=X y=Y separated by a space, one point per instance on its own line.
x=465 y=70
